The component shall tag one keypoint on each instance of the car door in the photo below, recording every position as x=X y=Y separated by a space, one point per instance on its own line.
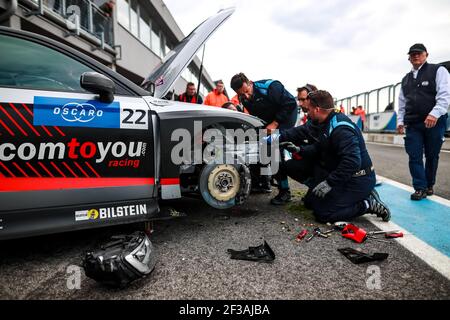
x=67 y=160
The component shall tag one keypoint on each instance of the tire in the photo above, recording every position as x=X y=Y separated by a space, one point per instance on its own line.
x=222 y=186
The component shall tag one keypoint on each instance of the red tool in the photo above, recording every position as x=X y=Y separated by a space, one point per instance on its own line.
x=301 y=235
x=394 y=235
x=354 y=233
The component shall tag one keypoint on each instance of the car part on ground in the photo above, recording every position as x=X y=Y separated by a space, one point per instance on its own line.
x=262 y=253
x=122 y=260
x=358 y=257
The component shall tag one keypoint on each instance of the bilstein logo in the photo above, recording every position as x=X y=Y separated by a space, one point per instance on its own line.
x=93 y=214
x=111 y=213
x=81 y=112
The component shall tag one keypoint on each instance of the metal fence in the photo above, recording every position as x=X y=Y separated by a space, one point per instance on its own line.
x=374 y=101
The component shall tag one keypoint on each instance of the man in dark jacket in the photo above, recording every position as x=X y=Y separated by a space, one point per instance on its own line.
x=267 y=100
x=298 y=140
x=190 y=95
x=271 y=102
x=346 y=189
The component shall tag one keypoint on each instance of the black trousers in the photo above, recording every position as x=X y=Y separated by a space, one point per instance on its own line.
x=343 y=202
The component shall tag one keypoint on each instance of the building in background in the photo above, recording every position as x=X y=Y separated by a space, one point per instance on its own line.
x=130 y=36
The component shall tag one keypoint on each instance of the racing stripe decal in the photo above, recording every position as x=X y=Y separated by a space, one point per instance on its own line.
x=170 y=181
x=37 y=184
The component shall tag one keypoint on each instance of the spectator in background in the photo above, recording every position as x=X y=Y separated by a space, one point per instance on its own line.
x=353 y=111
x=217 y=98
x=360 y=112
x=422 y=108
x=341 y=109
x=302 y=94
x=190 y=95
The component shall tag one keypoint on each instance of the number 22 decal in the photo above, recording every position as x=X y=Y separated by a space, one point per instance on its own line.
x=136 y=120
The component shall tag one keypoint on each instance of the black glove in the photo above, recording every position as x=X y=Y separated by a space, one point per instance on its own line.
x=289 y=146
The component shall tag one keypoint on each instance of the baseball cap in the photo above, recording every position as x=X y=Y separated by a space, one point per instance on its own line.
x=418 y=47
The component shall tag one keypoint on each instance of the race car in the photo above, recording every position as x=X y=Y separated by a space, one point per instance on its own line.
x=83 y=147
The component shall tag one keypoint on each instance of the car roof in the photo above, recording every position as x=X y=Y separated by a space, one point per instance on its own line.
x=126 y=83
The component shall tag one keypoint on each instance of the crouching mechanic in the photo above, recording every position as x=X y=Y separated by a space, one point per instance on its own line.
x=271 y=102
x=347 y=191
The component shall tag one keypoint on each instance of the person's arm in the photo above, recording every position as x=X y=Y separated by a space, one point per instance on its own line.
x=298 y=135
x=345 y=142
x=401 y=112
x=443 y=93
x=207 y=102
x=282 y=100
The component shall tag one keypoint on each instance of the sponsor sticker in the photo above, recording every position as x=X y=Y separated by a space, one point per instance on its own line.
x=63 y=112
x=109 y=213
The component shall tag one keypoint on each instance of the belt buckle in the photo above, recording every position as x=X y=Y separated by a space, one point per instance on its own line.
x=360 y=173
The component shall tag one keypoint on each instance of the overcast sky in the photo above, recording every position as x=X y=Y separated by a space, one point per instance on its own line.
x=343 y=46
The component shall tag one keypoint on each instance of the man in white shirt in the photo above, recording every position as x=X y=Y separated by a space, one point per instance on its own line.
x=423 y=105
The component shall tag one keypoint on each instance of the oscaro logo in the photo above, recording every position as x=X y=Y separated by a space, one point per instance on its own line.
x=81 y=112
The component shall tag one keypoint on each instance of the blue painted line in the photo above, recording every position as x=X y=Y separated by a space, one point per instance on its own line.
x=428 y=220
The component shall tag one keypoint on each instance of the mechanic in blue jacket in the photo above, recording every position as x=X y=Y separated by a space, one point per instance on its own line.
x=346 y=190
x=300 y=168
x=271 y=102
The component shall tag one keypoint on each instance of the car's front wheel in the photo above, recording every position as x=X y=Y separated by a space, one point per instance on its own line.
x=224 y=185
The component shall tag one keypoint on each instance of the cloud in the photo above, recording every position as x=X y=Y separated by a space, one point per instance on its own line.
x=343 y=46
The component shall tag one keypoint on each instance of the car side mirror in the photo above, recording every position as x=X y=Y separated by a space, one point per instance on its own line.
x=99 y=84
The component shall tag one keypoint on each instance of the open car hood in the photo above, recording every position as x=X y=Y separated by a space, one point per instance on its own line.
x=164 y=75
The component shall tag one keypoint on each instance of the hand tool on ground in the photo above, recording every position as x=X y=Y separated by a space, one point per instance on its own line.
x=371 y=233
x=309 y=238
x=320 y=233
x=316 y=232
x=354 y=233
x=301 y=235
x=394 y=235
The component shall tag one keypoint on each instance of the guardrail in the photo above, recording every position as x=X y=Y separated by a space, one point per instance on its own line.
x=379 y=115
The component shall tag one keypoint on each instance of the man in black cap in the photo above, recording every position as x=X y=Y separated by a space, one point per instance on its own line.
x=423 y=102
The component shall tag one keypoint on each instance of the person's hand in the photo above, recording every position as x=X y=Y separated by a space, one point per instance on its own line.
x=401 y=129
x=289 y=146
x=271 y=138
x=430 y=121
x=322 y=189
x=271 y=127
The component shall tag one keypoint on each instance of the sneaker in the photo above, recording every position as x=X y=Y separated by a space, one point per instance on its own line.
x=283 y=197
x=378 y=207
x=430 y=191
x=419 y=195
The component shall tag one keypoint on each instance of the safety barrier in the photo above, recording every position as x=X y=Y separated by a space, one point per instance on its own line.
x=380 y=106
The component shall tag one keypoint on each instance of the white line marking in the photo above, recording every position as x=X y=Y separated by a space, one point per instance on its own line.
x=434 y=258
x=431 y=256
x=396 y=145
